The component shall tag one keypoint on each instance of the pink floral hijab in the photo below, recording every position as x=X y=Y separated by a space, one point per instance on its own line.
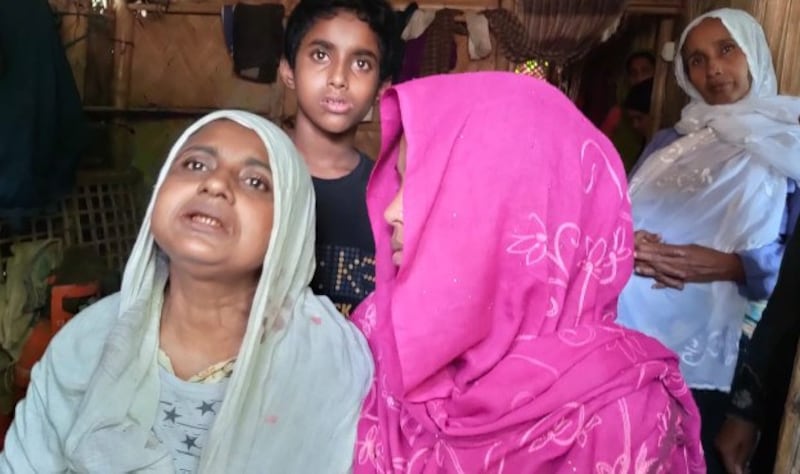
x=495 y=343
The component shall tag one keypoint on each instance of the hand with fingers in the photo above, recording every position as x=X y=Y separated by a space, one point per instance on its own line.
x=736 y=442
x=672 y=266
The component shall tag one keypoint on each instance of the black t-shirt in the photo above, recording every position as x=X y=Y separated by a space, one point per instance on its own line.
x=345 y=247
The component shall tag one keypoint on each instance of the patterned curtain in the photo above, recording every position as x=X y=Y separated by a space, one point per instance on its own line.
x=559 y=31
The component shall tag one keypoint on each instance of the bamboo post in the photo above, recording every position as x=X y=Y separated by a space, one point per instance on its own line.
x=665 y=31
x=503 y=64
x=74 y=31
x=121 y=80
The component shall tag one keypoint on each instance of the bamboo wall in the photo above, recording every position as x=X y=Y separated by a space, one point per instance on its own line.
x=778 y=16
x=780 y=19
x=146 y=75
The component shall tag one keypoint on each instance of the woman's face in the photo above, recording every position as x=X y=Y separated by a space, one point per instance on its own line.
x=214 y=210
x=394 y=211
x=715 y=64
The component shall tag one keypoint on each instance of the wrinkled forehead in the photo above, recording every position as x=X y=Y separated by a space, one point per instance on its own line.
x=199 y=129
x=278 y=148
x=223 y=125
x=225 y=134
x=705 y=34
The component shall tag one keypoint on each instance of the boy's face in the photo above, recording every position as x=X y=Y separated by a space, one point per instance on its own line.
x=214 y=210
x=336 y=74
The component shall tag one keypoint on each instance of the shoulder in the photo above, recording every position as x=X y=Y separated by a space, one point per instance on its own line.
x=365 y=165
x=660 y=139
x=75 y=350
x=663 y=138
x=366 y=160
x=343 y=338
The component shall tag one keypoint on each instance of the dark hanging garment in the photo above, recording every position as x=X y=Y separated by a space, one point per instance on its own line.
x=257 y=32
x=42 y=127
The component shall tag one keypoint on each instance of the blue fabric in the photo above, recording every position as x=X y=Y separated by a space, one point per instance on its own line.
x=227 y=26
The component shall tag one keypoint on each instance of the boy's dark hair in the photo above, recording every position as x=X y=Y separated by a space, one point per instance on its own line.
x=647 y=55
x=378 y=14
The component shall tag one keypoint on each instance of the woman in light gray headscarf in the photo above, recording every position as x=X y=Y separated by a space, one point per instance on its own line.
x=215 y=356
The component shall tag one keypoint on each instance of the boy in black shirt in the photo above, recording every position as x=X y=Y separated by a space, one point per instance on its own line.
x=338 y=56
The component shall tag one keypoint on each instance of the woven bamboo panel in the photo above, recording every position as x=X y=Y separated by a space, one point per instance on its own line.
x=180 y=61
x=103 y=213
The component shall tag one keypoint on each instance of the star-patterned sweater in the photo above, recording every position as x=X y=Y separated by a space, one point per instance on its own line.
x=186 y=413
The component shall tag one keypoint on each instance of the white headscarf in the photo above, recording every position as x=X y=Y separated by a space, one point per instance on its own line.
x=723 y=185
x=294 y=398
x=764 y=123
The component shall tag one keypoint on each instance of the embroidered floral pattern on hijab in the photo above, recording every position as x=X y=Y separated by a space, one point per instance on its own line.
x=495 y=345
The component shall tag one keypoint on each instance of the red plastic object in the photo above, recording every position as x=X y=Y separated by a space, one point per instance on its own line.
x=43 y=332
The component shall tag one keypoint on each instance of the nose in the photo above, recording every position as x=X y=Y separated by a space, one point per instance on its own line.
x=338 y=75
x=393 y=214
x=713 y=67
x=217 y=184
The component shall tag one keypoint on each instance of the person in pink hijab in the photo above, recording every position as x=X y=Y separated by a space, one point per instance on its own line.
x=503 y=237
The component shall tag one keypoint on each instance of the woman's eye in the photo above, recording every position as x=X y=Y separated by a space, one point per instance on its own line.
x=194 y=165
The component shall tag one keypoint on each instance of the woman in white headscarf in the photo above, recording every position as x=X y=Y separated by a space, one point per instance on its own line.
x=215 y=356
x=713 y=200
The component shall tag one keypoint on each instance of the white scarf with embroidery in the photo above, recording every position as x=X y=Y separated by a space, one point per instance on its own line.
x=722 y=185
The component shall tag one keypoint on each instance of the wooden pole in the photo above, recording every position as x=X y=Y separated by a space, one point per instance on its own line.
x=123 y=53
x=501 y=63
x=121 y=81
x=74 y=31
x=665 y=31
